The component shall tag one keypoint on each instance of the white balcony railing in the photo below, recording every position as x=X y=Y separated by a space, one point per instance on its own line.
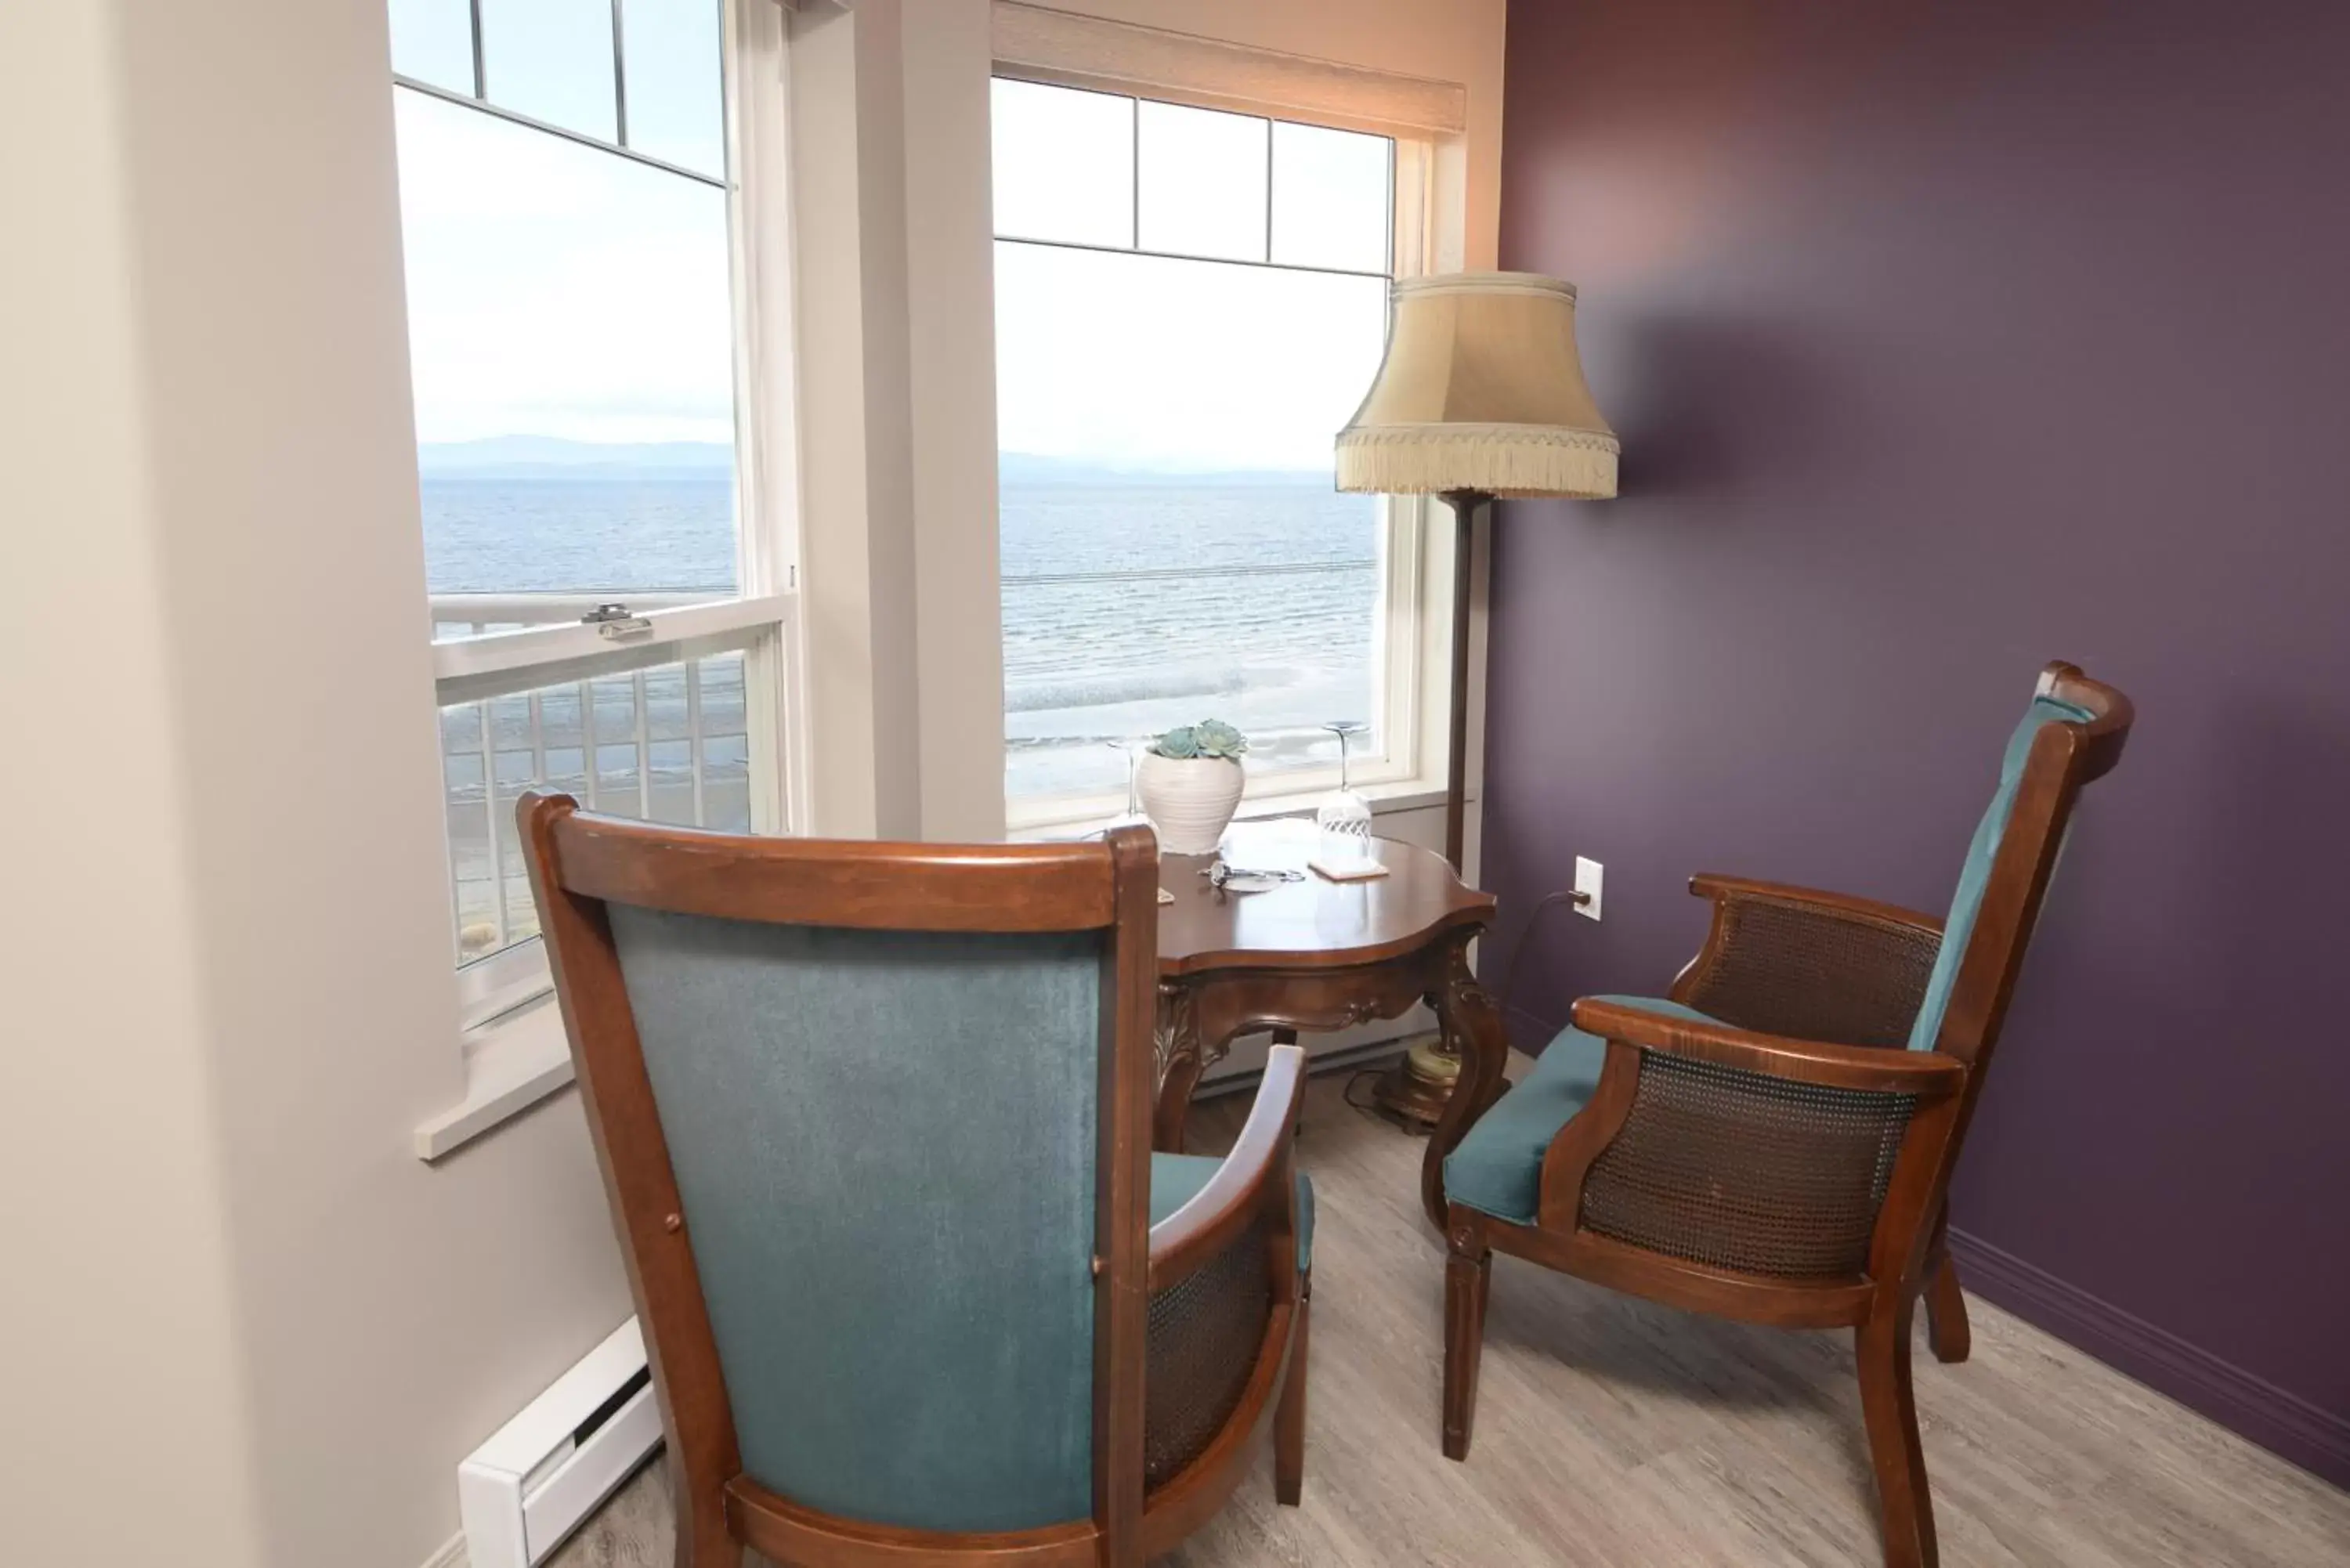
x=656 y=729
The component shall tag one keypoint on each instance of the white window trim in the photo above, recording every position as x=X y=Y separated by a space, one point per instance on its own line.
x=511 y=1067
x=511 y=1041
x=1416 y=578
x=1039 y=44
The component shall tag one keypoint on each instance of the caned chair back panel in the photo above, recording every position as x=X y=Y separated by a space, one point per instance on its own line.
x=1784 y=966
x=884 y=1143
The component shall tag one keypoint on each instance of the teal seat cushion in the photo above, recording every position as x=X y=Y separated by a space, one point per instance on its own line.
x=1176 y=1180
x=1497 y=1170
x=1974 y=876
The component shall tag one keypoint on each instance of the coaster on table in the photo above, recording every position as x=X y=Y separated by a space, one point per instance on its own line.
x=1359 y=868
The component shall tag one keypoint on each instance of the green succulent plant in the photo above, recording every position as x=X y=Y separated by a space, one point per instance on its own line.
x=1211 y=738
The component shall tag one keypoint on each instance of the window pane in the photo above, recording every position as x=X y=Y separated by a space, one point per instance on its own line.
x=669 y=745
x=571 y=346
x=1063 y=164
x=1331 y=198
x=552 y=59
x=675 y=99
x=1173 y=549
x=1201 y=181
x=432 y=41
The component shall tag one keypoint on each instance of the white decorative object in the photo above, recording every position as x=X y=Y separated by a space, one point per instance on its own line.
x=1190 y=800
x=1353 y=869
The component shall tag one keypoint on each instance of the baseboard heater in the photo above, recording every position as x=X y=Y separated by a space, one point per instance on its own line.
x=1345 y=1059
x=521 y=1494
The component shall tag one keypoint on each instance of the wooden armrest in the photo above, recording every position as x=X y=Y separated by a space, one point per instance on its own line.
x=1721 y=890
x=1925 y=1073
x=1257 y=1171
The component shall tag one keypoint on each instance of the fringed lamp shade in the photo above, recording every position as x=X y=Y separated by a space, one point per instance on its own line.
x=1481 y=391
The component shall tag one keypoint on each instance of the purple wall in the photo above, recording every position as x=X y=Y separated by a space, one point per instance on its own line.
x=1945 y=340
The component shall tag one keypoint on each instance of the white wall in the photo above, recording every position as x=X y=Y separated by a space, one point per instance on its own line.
x=272 y=1332
x=119 y=1303
x=255 y=1306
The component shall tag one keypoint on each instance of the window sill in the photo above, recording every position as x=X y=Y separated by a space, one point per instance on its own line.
x=1386 y=799
x=510 y=1067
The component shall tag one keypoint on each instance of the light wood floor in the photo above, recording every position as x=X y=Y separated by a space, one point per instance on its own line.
x=1613 y=1432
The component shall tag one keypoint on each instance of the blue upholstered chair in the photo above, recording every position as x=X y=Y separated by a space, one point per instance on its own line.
x=1774 y=1140
x=875 y=1124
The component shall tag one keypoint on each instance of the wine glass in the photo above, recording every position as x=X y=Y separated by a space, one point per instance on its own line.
x=1133 y=815
x=1344 y=816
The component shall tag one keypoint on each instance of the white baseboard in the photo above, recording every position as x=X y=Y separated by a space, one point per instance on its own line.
x=450 y=1555
x=542 y=1475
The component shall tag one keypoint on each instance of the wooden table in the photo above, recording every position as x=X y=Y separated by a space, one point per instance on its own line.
x=1313 y=955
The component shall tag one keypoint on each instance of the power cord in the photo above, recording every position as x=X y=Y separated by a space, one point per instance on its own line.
x=1505 y=992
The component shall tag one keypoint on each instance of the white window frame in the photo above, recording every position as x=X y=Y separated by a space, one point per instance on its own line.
x=512 y=1056
x=1411 y=695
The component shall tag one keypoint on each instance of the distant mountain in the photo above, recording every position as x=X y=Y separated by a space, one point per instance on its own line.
x=1027 y=468
x=548 y=457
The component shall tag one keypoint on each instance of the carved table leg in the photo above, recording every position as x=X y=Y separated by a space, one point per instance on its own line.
x=1472 y=1026
x=1176 y=1043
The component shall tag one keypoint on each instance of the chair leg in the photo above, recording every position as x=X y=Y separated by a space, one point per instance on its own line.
x=1890 y=1405
x=1946 y=1311
x=702 y=1540
x=1289 y=1417
x=1468 y=1278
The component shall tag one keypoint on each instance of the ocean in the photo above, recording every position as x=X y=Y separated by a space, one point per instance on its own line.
x=1129 y=604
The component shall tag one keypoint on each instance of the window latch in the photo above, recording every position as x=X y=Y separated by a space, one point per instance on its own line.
x=615 y=624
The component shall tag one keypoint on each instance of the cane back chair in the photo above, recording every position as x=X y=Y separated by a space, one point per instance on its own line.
x=875 y=1124
x=1773 y=1141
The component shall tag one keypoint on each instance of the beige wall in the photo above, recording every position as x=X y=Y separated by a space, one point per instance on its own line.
x=274 y=1332
x=223 y=977
x=118 y=1307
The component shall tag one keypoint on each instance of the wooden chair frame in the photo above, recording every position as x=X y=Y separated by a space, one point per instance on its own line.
x=579 y=863
x=1908 y=1255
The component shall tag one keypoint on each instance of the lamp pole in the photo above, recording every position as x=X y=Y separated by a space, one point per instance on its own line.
x=1414 y=1090
x=1465 y=504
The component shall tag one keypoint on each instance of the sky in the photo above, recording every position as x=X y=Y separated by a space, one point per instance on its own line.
x=558 y=290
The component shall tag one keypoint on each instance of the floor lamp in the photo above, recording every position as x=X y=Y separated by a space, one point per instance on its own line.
x=1482 y=395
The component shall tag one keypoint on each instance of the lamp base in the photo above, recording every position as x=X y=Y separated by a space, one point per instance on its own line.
x=1415 y=1090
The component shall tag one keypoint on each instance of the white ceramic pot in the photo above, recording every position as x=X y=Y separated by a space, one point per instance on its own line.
x=1190 y=800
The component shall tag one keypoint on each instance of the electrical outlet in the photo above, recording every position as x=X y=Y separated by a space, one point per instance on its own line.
x=1588 y=875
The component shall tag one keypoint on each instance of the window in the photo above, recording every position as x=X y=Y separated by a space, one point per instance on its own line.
x=1189 y=304
x=607 y=615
